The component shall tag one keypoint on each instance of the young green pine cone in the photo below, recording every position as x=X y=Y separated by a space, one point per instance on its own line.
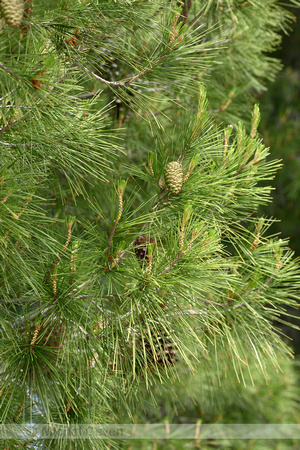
x=12 y=11
x=174 y=176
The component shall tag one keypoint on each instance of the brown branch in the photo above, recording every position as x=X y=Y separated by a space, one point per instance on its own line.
x=239 y=305
x=185 y=11
x=117 y=83
x=197 y=17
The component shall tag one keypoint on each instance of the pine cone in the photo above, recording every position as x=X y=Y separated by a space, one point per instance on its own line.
x=164 y=352
x=174 y=176
x=12 y=11
x=160 y=352
x=141 y=247
x=54 y=338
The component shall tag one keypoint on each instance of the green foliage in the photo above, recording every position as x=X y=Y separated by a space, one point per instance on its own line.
x=111 y=280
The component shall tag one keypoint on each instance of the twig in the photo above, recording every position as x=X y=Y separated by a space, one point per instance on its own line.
x=236 y=306
x=209 y=302
x=127 y=314
x=31 y=316
x=88 y=95
x=81 y=329
x=203 y=311
x=85 y=283
x=117 y=83
x=73 y=262
x=130 y=80
x=265 y=285
x=185 y=11
x=20 y=410
x=11 y=124
x=192 y=22
x=5 y=198
x=2 y=98
x=14 y=106
x=97 y=306
x=188 y=312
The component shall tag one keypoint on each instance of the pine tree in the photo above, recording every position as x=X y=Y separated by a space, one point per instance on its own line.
x=131 y=175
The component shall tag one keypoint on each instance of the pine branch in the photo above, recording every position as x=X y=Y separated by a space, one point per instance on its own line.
x=130 y=80
x=70 y=223
x=181 y=253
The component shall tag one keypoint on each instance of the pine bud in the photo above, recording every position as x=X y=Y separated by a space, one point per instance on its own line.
x=174 y=176
x=12 y=11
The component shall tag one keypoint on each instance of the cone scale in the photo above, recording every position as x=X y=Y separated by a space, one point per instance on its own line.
x=174 y=177
x=12 y=11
